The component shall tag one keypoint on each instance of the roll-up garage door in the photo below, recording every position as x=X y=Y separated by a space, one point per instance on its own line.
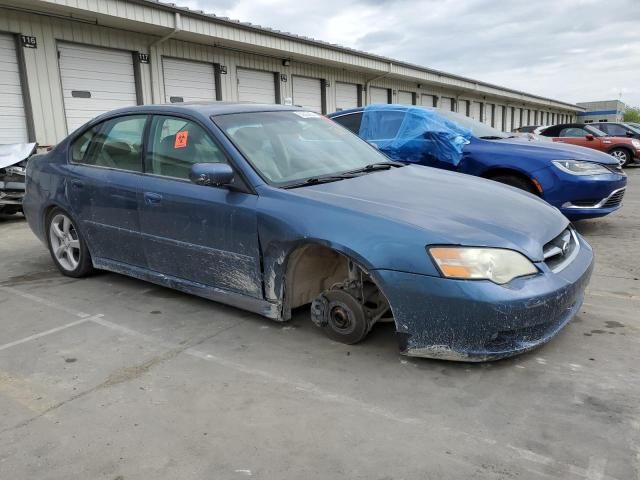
x=516 y=118
x=463 y=107
x=346 y=96
x=475 y=111
x=307 y=93
x=427 y=100
x=488 y=113
x=188 y=81
x=94 y=80
x=508 y=116
x=405 y=98
x=256 y=86
x=378 y=95
x=498 y=123
x=13 y=119
x=446 y=103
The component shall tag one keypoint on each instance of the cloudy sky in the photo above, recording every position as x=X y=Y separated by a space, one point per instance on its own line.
x=572 y=50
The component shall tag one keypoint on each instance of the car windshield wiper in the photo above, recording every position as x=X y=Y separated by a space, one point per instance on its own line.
x=376 y=166
x=318 y=180
x=495 y=137
x=349 y=174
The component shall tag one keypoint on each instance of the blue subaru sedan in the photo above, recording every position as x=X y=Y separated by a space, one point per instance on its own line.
x=581 y=182
x=270 y=208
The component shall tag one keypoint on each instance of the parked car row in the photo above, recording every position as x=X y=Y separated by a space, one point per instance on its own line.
x=270 y=208
x=620 y=140
x=580 y=182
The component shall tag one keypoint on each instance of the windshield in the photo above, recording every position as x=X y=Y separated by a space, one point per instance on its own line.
x=287 y=147
x=479 y=130
x=634 y=127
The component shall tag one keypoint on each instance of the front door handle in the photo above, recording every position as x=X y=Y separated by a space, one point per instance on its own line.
x=152 y=198
x=77 y=184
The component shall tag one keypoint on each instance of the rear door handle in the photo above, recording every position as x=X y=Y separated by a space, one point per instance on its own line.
x=152 y=198
x=77 y=184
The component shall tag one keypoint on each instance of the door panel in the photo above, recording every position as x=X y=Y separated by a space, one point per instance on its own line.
x=103 y=187
x=202 y=234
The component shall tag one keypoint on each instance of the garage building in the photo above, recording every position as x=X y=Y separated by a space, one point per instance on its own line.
x=62 y=63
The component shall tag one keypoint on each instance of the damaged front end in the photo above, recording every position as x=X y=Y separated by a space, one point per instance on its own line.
x=13 y=165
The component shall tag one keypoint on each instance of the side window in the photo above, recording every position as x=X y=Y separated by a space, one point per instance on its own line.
x=350 y=122
x=383 y=125
x=175 y=144
x=572 y=132
x=613 y=130
x=116 y=143
x=80 y=146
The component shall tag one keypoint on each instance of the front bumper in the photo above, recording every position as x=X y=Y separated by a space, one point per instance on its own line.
x=11 y=193
x=479 y=320
x=581 y=197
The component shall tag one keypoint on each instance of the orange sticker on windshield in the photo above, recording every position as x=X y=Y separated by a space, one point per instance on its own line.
x=181 y=139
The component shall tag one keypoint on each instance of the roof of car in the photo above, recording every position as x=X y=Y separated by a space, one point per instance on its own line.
x=210 y=108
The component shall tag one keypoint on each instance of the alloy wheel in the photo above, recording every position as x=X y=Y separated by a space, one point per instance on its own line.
x=65 y=243
x=620 y=156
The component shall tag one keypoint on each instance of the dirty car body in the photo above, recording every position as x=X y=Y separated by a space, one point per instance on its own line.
x=283 y=208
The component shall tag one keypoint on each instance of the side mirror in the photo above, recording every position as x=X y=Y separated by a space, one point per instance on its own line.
x=211 y=174
x=631 y=134
x=589 y=136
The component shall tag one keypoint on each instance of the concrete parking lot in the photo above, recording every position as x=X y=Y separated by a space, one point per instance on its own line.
x=114 y=378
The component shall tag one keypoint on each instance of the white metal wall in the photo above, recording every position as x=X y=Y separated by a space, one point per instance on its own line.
x=44 y=83
x=13 y=119
x=476 y=110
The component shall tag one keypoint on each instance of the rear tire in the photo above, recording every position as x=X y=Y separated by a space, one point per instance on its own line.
x=515 y=181
x=67 y=245
x=622 y=155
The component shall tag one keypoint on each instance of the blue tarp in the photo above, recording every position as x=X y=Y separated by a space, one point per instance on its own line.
x=412 y=134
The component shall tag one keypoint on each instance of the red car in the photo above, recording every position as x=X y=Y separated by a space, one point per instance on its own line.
x=626 y=150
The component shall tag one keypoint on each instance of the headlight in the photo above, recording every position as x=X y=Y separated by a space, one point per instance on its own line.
x=475 y=263
x=577 y=167
x=636 y=144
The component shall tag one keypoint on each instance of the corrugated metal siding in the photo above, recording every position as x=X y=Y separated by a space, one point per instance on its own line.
x=46 y=91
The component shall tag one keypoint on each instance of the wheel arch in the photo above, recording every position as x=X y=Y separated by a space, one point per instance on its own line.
x=496 y=171
x=326 y=261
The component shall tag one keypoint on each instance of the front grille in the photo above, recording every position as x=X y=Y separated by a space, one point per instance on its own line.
x=614 y=200
x=561 y=251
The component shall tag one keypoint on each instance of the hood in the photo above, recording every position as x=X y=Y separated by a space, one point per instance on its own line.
x=450 y=208
x=14 y=153
x=553 y=151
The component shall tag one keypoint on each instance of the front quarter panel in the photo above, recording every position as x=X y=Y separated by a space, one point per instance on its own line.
x=370 y=241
